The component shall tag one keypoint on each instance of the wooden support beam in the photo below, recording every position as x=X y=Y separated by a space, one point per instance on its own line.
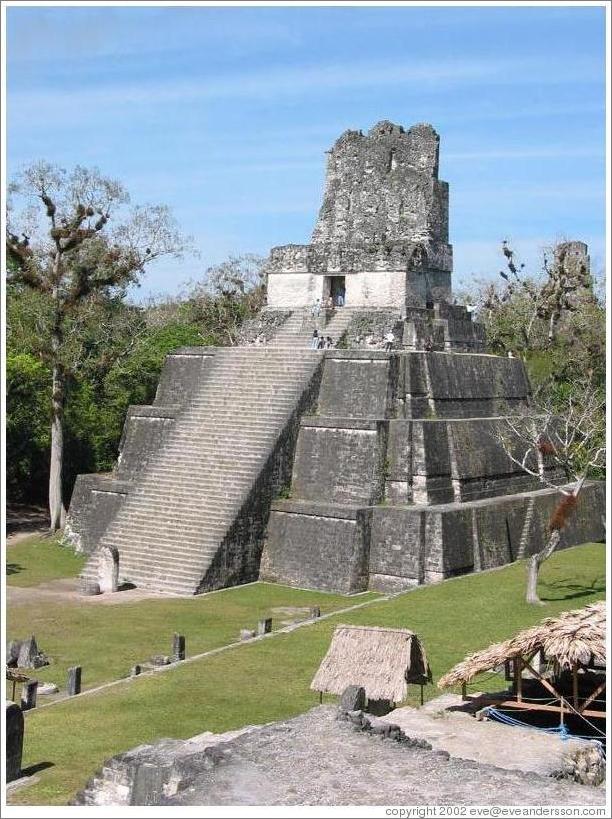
x=544 y=682
x=590 y=699
x=525 y=705
x=575 y=684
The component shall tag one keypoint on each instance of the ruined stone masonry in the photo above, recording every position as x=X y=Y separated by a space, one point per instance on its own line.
x=373 y=464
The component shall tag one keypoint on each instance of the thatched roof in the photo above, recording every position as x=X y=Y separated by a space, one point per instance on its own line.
x=382 y=660
x=574 y=637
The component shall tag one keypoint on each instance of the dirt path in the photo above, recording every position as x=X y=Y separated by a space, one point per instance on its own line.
x=68 y=590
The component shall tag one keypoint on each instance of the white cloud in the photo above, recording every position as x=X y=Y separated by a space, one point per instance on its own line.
x=292 y=81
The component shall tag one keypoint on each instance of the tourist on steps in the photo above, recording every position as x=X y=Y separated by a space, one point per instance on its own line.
x=314 y=342
x=389 y=339
x=316 y=309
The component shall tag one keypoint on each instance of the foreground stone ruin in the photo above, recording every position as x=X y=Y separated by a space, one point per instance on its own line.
x=374 y=464
x=319 y=759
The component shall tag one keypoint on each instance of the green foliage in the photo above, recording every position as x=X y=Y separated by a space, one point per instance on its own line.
x=113 y=353
x=28 y=385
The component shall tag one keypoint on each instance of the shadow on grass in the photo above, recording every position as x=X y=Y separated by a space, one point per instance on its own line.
x=34 y=769
x=13 y=568
x=568 y=589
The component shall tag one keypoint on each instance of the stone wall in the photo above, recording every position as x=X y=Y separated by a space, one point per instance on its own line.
x=358 y=384
x=317 y=546
x=95 y=501
x=385 y=474
x=384 y=186
x=340 y=461
x=383 y=224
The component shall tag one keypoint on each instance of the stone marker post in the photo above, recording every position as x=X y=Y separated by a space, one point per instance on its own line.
x=264 y=626
x=315 y=612
x=353 y=698
x=28 y=652
x=74 y=681
x=14 y=740
x=28 y=695
x=178 y=647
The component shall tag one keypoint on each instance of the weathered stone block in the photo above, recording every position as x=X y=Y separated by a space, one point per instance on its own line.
x=353 y=698
x=340 y=460
x=309 y=547
x=28 y=695
x=14 y=740
x=73 y=686
x=178 y=647
x=264 y=626
x=356 y=385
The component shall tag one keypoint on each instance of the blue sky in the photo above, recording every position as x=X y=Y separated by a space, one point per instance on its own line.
x=225 y=114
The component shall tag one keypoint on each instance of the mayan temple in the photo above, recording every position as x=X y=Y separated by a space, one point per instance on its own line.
x=374 y=463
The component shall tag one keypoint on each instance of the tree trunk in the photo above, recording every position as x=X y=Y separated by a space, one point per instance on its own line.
x=534 y=567
x=536 y=560
x=57 y=512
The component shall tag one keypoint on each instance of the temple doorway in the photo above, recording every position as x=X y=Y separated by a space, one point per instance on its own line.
x=337 y=290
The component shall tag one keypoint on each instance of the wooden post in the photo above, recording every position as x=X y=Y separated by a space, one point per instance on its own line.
x=575 y=685
x=518 y=675
x=320 y=697
x=422 y=700
x=463 y=691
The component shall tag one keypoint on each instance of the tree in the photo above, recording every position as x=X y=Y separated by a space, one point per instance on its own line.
x=542 y=303
x=73 y=245
x=229 y=293
x=562 y=450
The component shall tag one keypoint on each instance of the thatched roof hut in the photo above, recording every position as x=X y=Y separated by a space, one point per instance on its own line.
x=574 y=638
x=381 y=660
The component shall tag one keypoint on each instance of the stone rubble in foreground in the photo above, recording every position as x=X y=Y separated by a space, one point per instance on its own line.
x=316 y=759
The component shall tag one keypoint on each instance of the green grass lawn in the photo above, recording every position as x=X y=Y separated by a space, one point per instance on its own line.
x=107 y=639
x=37 y=560
x=269 y=680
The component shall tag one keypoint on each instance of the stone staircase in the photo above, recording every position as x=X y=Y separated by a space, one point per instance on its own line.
x=338 y=324
x=296 y=332
x=172 y=531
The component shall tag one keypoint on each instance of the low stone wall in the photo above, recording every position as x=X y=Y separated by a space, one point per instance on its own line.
x=340 y=460
x=367 y=329
x=409 y=545
x=317 y=546
x=96 y=499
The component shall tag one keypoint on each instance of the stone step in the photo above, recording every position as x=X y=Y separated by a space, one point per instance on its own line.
x=193 y=553
x=188 y=497
x=163 y=486
x=197 y=534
